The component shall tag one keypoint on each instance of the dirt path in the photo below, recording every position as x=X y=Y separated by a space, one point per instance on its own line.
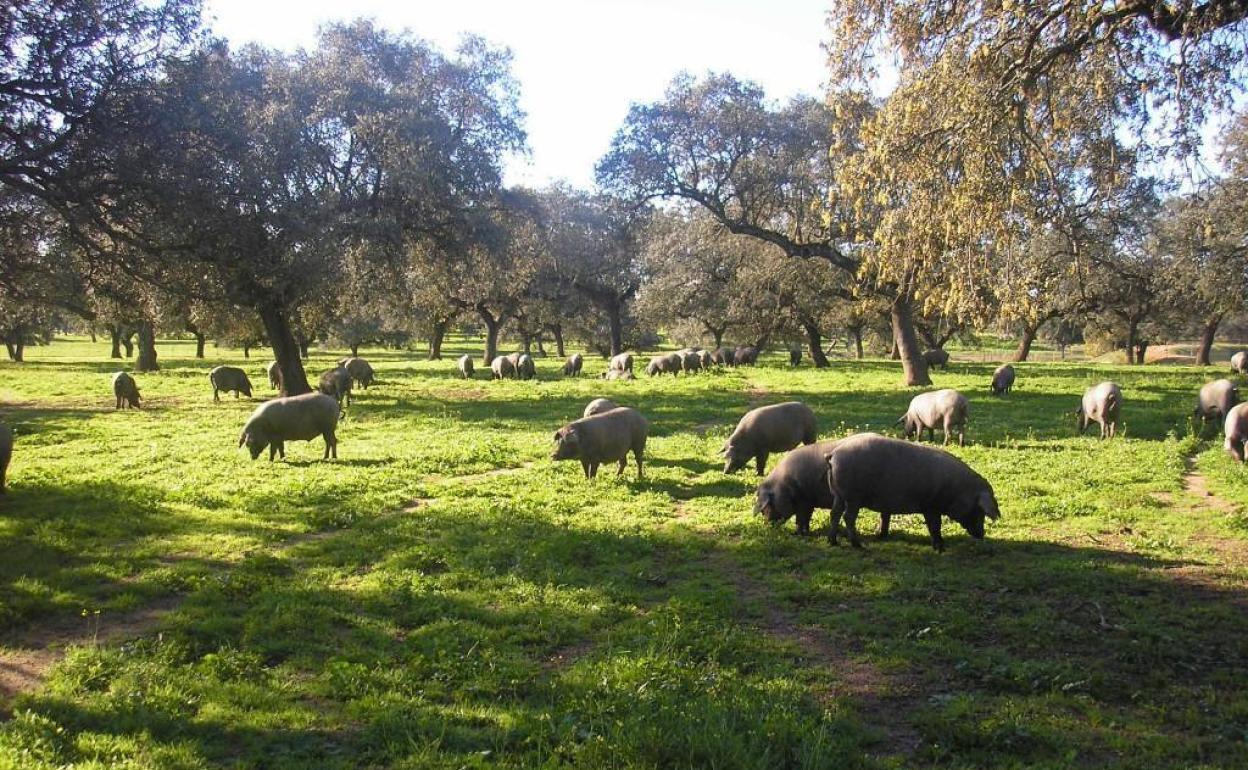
x=884 y=700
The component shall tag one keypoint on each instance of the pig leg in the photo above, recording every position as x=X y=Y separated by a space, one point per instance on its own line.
x=884 y=522
x=281 y=449
x=622 y=465
x=637 y=455
x=933 y=528
x=272 y=451
x=585 y=468
x=803 y=521
x=593 y=470
x=851 y=523
x=760 y=462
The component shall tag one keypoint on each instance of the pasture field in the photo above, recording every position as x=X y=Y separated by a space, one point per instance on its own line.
x=445 y=596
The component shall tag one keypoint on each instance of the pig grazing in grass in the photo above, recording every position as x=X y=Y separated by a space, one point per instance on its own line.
x=464 y=364
x=622 y=363
x=605 y=437
x=724 y=357
x=126 y=391
x=360 y=370
x=767 y=429
x=690 y=361
x=337 y=383
x=796 y=487
x=618 y=374
x=598 y=406
x=1216 y=400
x=275 y=376
x=1101 y=405
x=945 y=409
x=526 y=368
x=795 y=356
x=502 y=367
x=899 y=477
x=745 y=355
x=227 y=378
x=1235 y=427
x=1002 y=380
x=6 y=454
x=572 y=367
x=936 y=358
x=1239 y=362
x=295 y=418
x=707 y=359
x=669 y=363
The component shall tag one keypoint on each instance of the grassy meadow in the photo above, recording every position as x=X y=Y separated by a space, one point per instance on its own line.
x=445 y=596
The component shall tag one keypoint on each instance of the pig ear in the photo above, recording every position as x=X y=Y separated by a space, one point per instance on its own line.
x=988 y=505
x=242 y=439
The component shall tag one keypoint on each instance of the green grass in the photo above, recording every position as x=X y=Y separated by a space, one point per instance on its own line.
x=529 y=618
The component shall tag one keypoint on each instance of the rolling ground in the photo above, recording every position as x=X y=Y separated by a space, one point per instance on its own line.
x=444 y=595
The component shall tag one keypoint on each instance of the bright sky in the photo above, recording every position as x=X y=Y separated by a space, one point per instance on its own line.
x=580 y=63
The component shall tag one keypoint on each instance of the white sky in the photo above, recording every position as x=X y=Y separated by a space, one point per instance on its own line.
x=580 y=64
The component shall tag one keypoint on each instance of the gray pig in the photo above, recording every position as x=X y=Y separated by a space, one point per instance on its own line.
x=6 y=454
x=1002 y=380
x=502 y=368
x=605 y=437
x=598 y=406
x=1235 y=427
x=746 y=355
x=897 y=477
x=275 y=375
x=618 y=374
x=724 y=357
x=337 y=383
x=706 y=358
x=1239 y=362
x=795 y=356
x=1215 y=401
x=360 y=370
x=937 y=357
x=526 y=369
x=464 y=364
x=796 y=487
x=572 y=367
x=126 y=390
x=1101 y=404
x=944 y=409
x=622 y=363
x=669 y=363
x=690 y=361
x=775 y=428
x=295 y=418
x=227 y=378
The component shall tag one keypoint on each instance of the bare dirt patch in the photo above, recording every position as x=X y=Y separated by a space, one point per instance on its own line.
x=29 y=657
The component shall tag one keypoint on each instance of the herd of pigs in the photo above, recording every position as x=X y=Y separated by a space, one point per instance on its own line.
x=842 y=476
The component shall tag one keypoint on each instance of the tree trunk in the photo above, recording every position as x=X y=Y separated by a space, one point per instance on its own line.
x=1132 y=328
x=491 y=335
x=912 y=363
x=200 y=339
x=895 y=352
x=355 y=350
x=557 y=331
x=285 y=350
x=1206 y=340
x=815 y=341
x=147 y=348
x=855 y=334
x=541 y=348
x=717 y=333
x=247 y=350
x=303 y=343
x=114 y=333
x=127 y=342
x=1141 y=348
x=435 y=340
x=16 y=350
x=617 y=330
x=1024 y=345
